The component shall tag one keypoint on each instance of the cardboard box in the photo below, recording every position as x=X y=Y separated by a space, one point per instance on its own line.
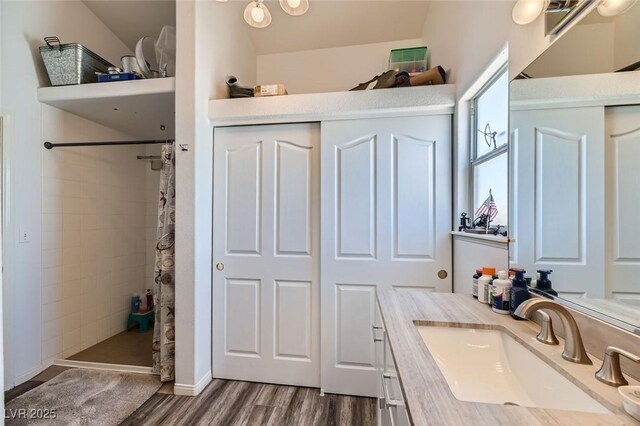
x=269 y=90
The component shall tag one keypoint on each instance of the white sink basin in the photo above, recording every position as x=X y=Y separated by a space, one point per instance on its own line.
x=490 y=366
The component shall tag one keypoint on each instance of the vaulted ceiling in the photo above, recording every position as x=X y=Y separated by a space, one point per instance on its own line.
x=328 y=23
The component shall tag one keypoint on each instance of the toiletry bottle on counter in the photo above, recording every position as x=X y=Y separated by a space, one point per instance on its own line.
x=501 y=293
x=543 y=283
x=519 y=291
x=477 y=275
x=484 y=282
x=495 y=277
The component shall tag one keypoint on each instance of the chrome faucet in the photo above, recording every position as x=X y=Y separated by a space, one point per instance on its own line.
x=610 y=372
x=573 y=348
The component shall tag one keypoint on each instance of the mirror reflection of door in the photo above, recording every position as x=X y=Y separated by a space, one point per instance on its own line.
x=574 y=156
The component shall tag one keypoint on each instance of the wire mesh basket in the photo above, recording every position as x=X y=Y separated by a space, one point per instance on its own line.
x=71 y=63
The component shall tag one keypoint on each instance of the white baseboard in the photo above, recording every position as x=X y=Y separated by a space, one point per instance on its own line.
x=103 y=366
x=193 y=390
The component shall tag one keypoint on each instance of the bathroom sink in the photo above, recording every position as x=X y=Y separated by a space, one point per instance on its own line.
x=490 y=366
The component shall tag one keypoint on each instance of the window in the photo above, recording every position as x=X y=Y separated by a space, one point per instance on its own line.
x=489 y=126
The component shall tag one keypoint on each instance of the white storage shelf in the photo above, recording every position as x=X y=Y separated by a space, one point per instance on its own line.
x=398 y=102
x=137 y=107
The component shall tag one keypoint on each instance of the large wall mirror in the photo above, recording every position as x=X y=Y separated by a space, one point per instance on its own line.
x=574 y=161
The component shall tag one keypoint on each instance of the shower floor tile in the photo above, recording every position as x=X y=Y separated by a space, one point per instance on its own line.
x=128 y=348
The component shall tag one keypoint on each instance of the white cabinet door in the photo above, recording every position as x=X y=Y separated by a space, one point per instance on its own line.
x=266 y=252
x=386 y=221
x=558 y=202
x=622 y=201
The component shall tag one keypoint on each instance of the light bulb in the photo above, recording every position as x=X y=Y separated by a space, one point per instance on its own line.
x=614 y=7
x=526 y=11
x=295 y=7
x=257 y=14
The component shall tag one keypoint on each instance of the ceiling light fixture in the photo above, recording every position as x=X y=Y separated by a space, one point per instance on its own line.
x=526 y=11
x=257 y=15
x=295 y=7
x=614 y=7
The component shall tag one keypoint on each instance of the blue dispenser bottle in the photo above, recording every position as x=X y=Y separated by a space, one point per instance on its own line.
x=519 y=292
x=544 y=283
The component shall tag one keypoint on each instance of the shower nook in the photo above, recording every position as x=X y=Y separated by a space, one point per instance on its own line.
x=108 y=179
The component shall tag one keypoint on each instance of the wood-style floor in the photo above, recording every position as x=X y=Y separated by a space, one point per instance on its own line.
x=227 y=402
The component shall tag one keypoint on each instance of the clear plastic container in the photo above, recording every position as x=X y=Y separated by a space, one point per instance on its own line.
x=412 y=60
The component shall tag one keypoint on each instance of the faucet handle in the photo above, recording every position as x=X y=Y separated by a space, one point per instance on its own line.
x=546 y=335
x=610 y=372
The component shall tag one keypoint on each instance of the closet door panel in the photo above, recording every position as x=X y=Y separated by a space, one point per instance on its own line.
x=413 y=198
x=355 y=174
x=293 y=199
x=266 y=252
x=558 y=206
x=244 y=195
x=622 y=259
x=386 y=209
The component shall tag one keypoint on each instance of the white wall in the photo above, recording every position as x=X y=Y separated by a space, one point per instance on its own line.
x=627 y=48
x=471 y=254
x=571 y=55
x=465 y=37
x=23 y=26
x=1 y=254
x=328 y=70
x=221 y=47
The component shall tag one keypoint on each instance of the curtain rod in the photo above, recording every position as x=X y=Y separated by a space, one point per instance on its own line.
x=50 y=145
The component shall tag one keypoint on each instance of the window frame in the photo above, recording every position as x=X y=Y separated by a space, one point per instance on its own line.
x=474 y=160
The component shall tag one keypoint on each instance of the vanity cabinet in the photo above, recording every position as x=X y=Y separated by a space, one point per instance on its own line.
x=392 y=410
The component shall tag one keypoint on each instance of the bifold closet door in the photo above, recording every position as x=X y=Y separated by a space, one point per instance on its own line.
x=266 y=254
x=386 y=222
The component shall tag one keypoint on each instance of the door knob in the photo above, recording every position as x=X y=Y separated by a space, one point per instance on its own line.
x=220 y=266
x=442 y=274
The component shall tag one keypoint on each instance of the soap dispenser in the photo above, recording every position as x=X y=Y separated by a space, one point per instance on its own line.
x=519 y=292
x=544 y=283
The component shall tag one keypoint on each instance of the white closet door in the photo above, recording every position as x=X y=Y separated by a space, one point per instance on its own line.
x=266 y=252
x=623 y=200
x=386 y=221
x=559 y=197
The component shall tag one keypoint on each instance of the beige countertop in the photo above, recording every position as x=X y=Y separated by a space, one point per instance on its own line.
x=428 y=396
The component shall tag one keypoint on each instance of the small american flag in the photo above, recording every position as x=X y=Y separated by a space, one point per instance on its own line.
x=488 y=207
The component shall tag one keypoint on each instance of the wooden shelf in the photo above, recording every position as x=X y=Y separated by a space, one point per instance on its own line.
x=136 y=107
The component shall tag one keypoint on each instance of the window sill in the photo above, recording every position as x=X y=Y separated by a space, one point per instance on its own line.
x=492 y=238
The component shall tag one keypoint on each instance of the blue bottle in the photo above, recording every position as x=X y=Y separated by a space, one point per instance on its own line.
x=135 y=303
x=519 y=292
x=544 y=283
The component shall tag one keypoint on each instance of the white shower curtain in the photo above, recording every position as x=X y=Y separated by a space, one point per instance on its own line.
x=164 y=287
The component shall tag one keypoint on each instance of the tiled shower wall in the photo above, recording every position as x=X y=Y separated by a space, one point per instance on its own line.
x=151 y=219
x=98 y=215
